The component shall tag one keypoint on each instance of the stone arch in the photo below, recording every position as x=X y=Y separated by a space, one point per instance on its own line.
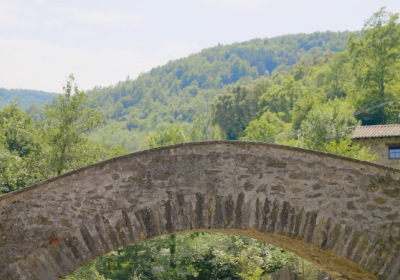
x=336 y=212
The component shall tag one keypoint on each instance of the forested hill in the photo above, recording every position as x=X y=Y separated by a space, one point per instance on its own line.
x=179 y=91
x=25 y=96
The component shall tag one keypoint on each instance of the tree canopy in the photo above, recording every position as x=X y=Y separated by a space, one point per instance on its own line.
x=376 y=62
x=31 y=151
x=182 y=90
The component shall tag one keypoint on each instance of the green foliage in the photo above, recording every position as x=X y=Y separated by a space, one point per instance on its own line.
x=326 y=123
x=174 y=134
x=337 y=75
x=309 y=99
x=17 y=140
x=87 y=272
x=36 y=110
x=376 y=60
x=249 y=263
x=17 y=133
x=86 y=153
x=182 y=90
x=26 y=96
x=63 y=127
x=234 y=110
x=190 y=256
x=12 y=174
x=327 y=128
x=311 y=272
x=347 y=149
x=30 y=152
x=204 y=130
x=171 y=135
x=280 y=98
x=267 y=126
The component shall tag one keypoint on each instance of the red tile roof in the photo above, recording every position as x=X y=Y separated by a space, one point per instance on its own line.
x=373 y=131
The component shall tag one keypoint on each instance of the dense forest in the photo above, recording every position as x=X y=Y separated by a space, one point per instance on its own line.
x=26 y=97
x=182 y=90
x=302 y=90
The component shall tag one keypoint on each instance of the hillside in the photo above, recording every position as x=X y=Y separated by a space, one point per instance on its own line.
x=181 y=90
x=184 y=89
x=25 y=96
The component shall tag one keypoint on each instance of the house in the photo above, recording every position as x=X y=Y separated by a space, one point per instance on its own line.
x=384 y=140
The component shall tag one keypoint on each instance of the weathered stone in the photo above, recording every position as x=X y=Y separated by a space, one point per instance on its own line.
x=316 y=187
x=393 y=216
x=115 y=176
x=371 y=207
x=248 y=186
x=296 y=190
x=299 y=176
x=278 y=188
x=380 y=200
x=261 y=189
x=314 y=195
x=297 y=199
x=350 y=195
x=351 y=206
x=65 y=223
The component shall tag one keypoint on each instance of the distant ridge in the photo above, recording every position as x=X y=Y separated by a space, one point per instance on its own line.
x=25 y=96
x=183 y=89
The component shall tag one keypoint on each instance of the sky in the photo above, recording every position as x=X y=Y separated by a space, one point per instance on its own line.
x=102 y=42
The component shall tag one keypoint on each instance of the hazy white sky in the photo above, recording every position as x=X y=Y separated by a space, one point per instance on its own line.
x=102 y=42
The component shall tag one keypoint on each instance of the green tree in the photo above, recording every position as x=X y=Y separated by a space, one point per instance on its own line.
x=234 y=110
x=181 y=90
x=311 y=272
x=17 y=140
x=64 y=145
x=17 y=131
x=203 y=130
x=376 y=58
x=267 y=126
x=327 y=128
x=64 y=126
x=348 y=149
x=173 y=134
x=338 y=74
x=304 y=104
x=332 y=121
x=280 y=98
x=87 y=272
x=13 y=176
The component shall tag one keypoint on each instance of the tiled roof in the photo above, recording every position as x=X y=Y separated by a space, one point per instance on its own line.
x=372 y=131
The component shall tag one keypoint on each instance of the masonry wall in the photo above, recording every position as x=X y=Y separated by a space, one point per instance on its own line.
x=379 y=146
x=339 y=213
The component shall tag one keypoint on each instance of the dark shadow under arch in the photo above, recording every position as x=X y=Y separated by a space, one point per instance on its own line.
x=333 y=211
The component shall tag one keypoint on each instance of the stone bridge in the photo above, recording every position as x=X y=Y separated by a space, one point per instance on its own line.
x=341 y=214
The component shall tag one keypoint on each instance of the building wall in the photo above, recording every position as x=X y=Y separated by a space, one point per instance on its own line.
x=379 y=146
